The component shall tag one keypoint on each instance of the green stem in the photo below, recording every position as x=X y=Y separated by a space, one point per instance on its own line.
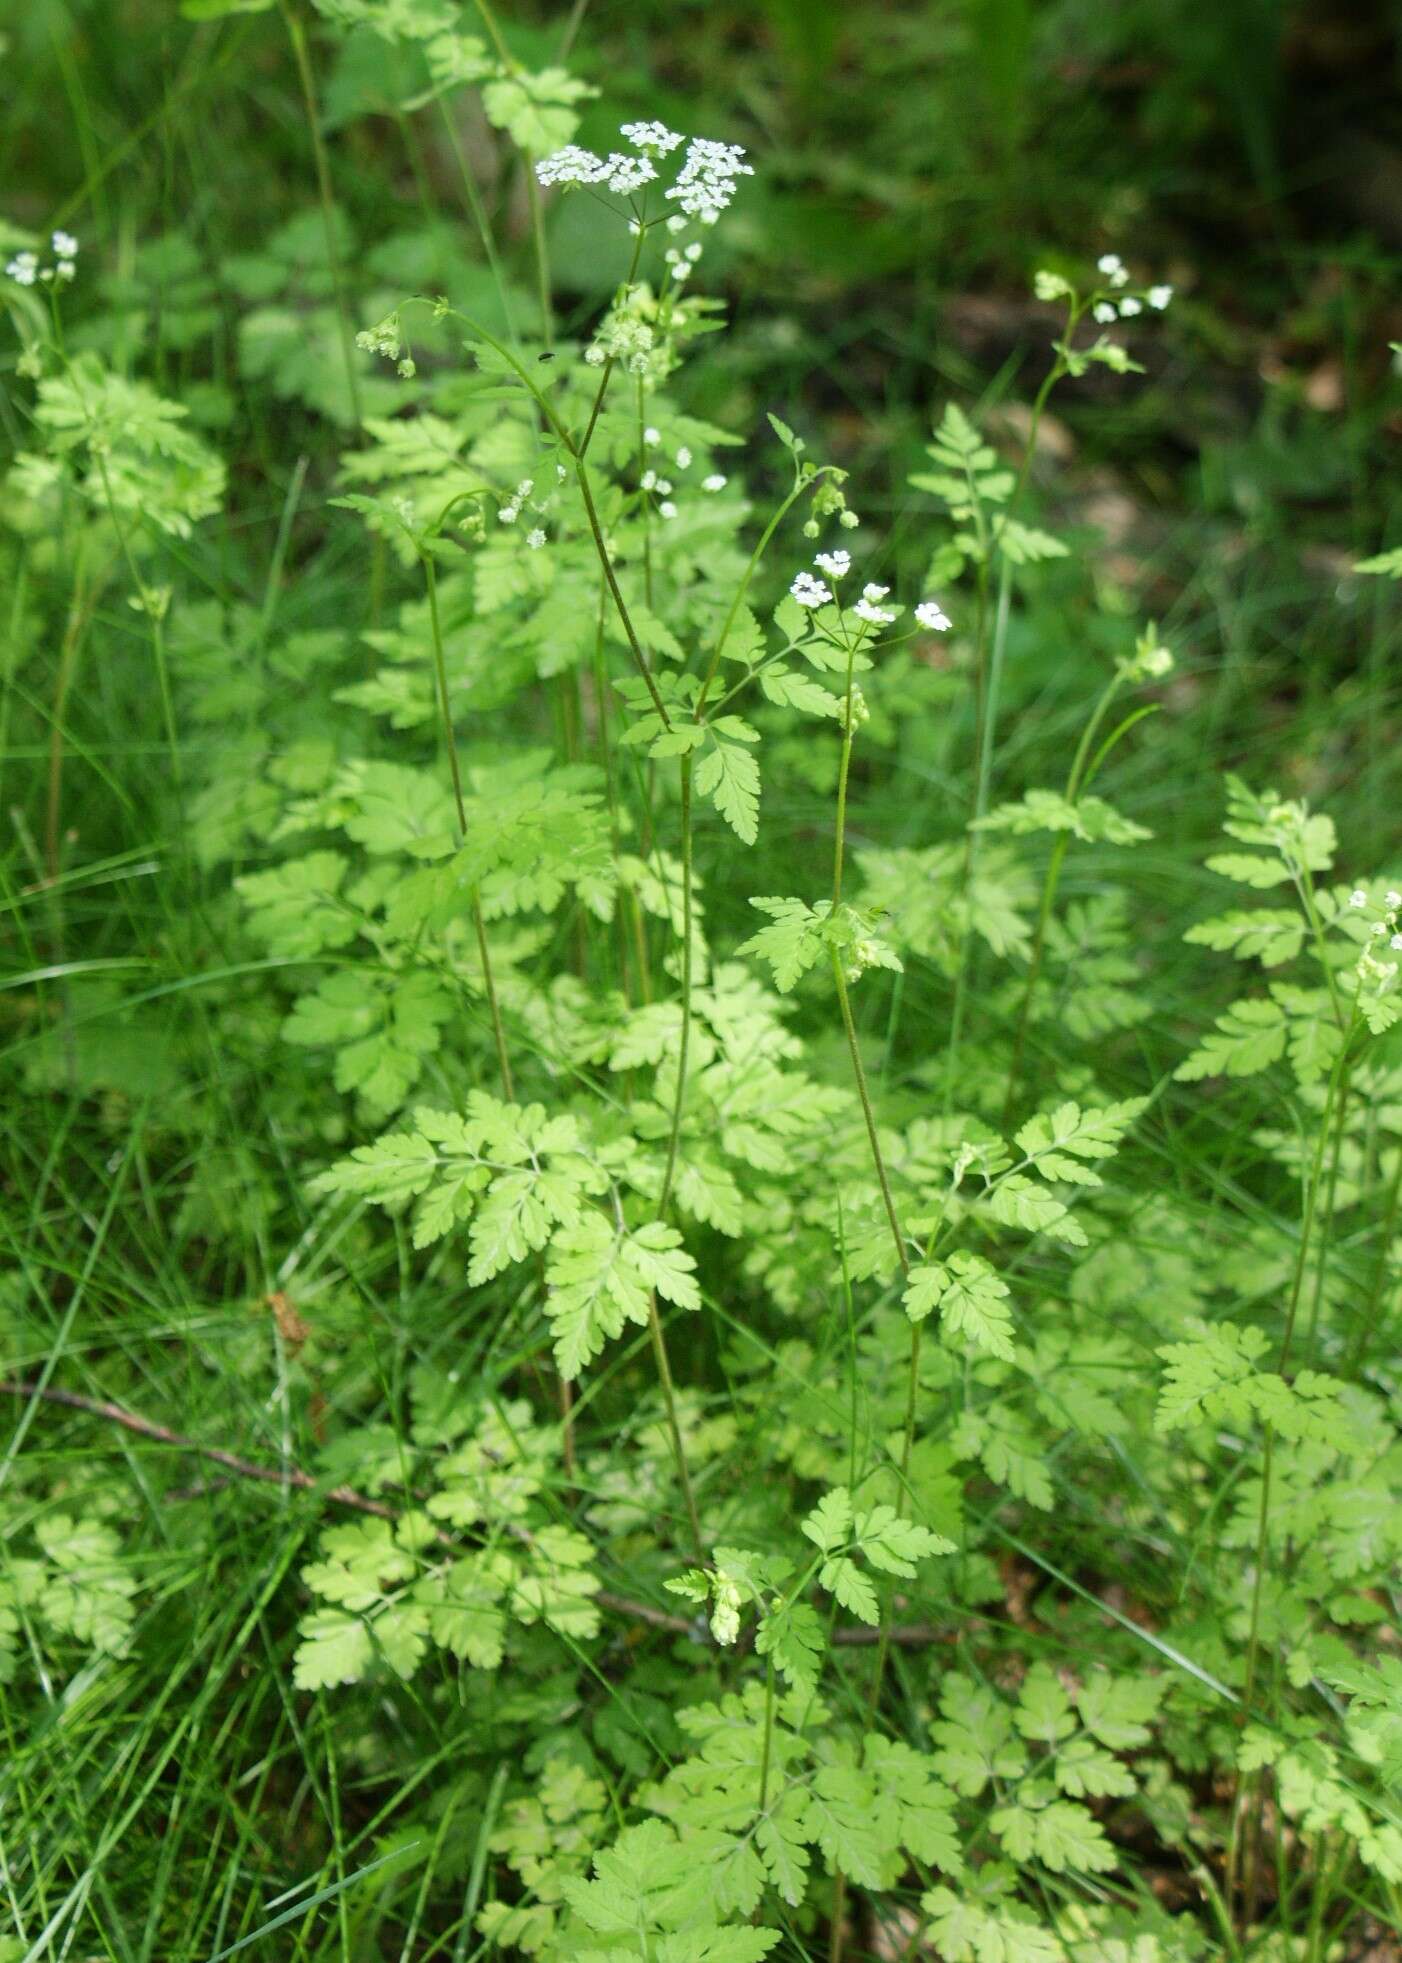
x=1049 y=886
x=677 y=1102
x=1034 y=969
x=489 y=21
x=768 y=1733
x=659 y=1341
x=988 y=685
x=740 y=592
x=620 y=604
x=1253 y=1640
x=888 y=1201
x=1382 y=1268
x=450 y=741
x=1304 y=885
x=79 y=609
x=297 y=37
x=479 y=217
x=669 y=1398
x=153 y=607
x=1327 y=1222
x=987 y=720
x=542 y=258
x=840 y=828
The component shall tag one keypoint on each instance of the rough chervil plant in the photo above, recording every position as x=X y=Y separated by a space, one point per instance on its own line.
x=817 y=1400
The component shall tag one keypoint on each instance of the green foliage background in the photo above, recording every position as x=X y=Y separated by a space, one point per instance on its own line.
x=235 y=1713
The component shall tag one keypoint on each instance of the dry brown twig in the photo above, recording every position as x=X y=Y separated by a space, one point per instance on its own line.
x=915 y=1635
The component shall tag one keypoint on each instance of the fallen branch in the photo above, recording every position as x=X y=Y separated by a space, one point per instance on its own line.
x=914 y=1635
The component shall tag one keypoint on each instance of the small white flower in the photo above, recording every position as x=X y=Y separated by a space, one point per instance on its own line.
x=1377 y=930
x=594 y=355
x=835 y=564
x=1104 y=312
x=65 y=245
x=683 y=458
x=666 y=509
x=23 y=269
x=849 y=521
x=651 y=436
x=932 y=615
x=871 y=592
x=1358 y=898
x=648 y=480
x=535 y=539
x=694 y=250
x=707 y=179
x=866 y=609
x=809 y=592
x=664 y=487
x=1159 y=297
x=651 y=136
x=524 y=488
x=715 y=482
x=1129 y=306
x=1392 y=899
x=571 y=166
x=1396 y=941
x=676 y=223
x=627 y=174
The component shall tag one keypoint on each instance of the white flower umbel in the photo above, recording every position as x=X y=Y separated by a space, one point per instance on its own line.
x=627 y=174
x=1113 y=267
x=535 y=539
x=932 y=615
x=1129 y=306
x=1358 y=898
x=683 y=458
x=651 y=136
x=809 y=592
x=715 y=482
x=26 y=268
x=835 y=564
x=1104 y=311
x=706 y=181
x=666 y=509
x=1159 y=297
x=571 y=166
x=868 y=610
